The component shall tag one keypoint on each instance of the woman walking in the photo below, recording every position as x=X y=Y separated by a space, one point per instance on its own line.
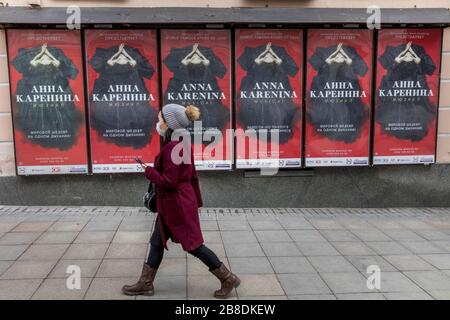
x=178 y=200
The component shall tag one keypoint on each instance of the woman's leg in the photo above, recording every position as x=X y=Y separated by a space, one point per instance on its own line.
x=207 y=256
x=145 y=282
x=156 y=253
x=228 y=280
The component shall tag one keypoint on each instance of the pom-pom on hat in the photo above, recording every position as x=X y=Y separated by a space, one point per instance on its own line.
x=177 y=117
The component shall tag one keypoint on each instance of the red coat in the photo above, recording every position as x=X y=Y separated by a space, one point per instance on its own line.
x=178 y=198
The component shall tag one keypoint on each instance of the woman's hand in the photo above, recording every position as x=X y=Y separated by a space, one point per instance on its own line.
x=143 y=165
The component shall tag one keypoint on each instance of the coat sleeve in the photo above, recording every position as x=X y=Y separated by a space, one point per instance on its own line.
x=168 y=178
x=196 y=185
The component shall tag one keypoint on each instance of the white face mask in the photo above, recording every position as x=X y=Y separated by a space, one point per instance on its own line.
x=161 y=132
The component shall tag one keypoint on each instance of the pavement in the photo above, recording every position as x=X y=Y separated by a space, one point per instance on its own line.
x=279 y=253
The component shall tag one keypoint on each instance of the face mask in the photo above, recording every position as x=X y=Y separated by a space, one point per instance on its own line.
x=161 y=132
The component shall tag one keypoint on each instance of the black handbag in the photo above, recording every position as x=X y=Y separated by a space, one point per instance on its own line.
x=150 y=198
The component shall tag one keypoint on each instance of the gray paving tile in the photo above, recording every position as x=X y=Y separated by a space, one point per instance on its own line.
x=312 y=297
x=355 y=223
x=126 y=251
x=238 y=237
x=7 y=226
x=131 y=237
x=430 y=280
x=320 y=248
x=28 y=270
x=388 y=248
x=433 y=235
x=353 y=248
x=19 y=238
x=4 y=265
x=280 y=249
x=56 y=289
x=95 y=237
x=408 y=262
x=371 y=235
x=259 y=285
x=423 y=247
x=266 y=224
x=306 y=235
x=440 y=294
x=420 y=295
x=110 y=268
x=56 y=237
x=108 y=224
x=251 y=265
x=361 y=296
x=325 y=223
x=86 y=251
x=346 y=282
x=88 y=268
x=244 y=250
x=74 y=226
x=172 y=266
x=18 y=289
x=363 y=262
x=233 y=225
x=440 y=261
x=398 y=282
x=403 y=235
x=338 y=235
x=290 y=223
x=11 y=252
x=291 y=265
x=37 y=252
x=170 y=287
x=302 y=283
x=215 y=236
x=442 y=244
x=32 y=226
x=209 y=225
x=414 y=223
x=331 y=264
x=273 y=236
x=133 y=224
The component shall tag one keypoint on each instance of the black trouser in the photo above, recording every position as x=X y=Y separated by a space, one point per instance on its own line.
x=155 y=256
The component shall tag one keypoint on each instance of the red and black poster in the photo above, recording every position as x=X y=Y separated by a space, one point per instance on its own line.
x=46 y=81
x=338 y=97
x=196 y=70
x=408 y=68
x=123 y=98
x=268 y=97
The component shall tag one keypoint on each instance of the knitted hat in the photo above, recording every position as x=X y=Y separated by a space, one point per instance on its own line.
x=178 y=117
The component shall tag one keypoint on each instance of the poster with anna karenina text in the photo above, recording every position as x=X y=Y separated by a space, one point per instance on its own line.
x=338 y=97
x=408 y=68
x=123 y=98
x=268 y=97
x=196 y=70
x=46 y=83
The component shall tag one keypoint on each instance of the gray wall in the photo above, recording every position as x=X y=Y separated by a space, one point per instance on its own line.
x=392 y=186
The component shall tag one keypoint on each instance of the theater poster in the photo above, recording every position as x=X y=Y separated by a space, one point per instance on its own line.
x=122 y=70
x=338 y=97
x=196 y=70
x=46 y=77
x=268 y=97
x=406 y=102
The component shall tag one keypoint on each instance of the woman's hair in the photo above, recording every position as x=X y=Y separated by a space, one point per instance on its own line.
x=193 y=114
